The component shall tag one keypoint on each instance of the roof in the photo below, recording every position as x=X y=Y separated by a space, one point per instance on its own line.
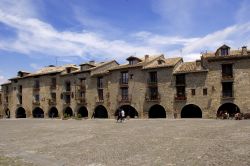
x=139 y=64
x=189 y=67
x=232 y=54
x=169 y=62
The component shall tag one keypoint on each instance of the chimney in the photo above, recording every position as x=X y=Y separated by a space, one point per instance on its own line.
x=198 y=64
x=146 y=58
x=92 y=62
x=244 y=50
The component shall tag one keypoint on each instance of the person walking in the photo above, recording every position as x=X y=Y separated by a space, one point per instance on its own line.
x=122 y=115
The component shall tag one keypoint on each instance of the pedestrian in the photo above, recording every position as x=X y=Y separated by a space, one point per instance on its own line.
x=122 y=115
x=119 y=117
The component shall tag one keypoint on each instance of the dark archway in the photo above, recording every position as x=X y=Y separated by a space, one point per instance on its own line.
x=83 y=112
x=129 y=111
x=100 y=112
x=38 y=113
x=191 y=111
x=157 y=111
x=7 y=113
x=230 y=108
x=20 y=113
x=53 y=112
x=68 y=112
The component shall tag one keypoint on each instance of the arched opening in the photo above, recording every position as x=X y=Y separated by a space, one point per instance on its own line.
x=20 y=113
x=100 y=112
x=229 y=108
x=191 y=111
x=157 y=111
x=7 y=113
x=129 y=111
x=68 y=112
x=83 y=112
x=38 y=113
x=53 y=112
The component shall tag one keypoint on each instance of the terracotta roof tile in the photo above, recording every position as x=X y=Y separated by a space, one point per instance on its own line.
x=189 y=67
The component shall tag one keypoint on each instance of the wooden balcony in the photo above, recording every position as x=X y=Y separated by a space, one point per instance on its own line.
x=81 y=87
x=98 y=100
x=36 y=89
x=227 y=95
x=123 y=83
x=81 y=101
x=152 y=83
x=227 y=78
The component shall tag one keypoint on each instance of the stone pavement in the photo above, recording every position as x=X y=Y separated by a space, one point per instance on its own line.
x=149 y=142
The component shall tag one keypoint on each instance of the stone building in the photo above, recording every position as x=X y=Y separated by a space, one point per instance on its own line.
x=148 y=87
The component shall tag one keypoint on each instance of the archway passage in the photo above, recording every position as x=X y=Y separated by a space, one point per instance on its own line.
x=100 y=112
x=68 y=112
x=157 y=111
x=230 y=108
x=129 y=111
x=38 y=113
x=7 y=113
x=191 y=111
x=20 y=113
x=83 y=112
x=53 y=112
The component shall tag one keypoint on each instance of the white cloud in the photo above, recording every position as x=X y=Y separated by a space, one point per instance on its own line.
x=2 y=80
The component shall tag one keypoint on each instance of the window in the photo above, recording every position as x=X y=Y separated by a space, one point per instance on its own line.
x=67 y=86
x=193 y=92
x=227 y=89
x=53 y=82
x=37 y=98
x=20 y=89
x=205 y=92
x=124 y=92
x=37 y=84
x=180 y=91
x=153 y=77
x=124 y=77
x=153 y=93
x=20 y=99
x=68 y=70
x=224 y=51
x=180 y=79
x=53 y=96
x=100 y=82
x=67 y=99
x=227 y=70
x=7 y=99
x=100 y=94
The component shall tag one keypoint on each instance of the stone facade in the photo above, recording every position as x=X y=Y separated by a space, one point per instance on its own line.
x=148 y=87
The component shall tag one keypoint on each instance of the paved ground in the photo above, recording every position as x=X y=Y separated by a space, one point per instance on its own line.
x=135 y=142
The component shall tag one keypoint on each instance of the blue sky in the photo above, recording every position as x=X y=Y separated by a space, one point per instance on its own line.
x=37 y=33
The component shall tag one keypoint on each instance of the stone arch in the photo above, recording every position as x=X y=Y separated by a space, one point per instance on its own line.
x=157 y=111
x=38 y=113
x=20 y=113
x=100 y=112
x=53 y=112
x=83 y=111
x=230 y=108
x=7 y=113
x=129 y=111
x=191 y=111
x=68 y=112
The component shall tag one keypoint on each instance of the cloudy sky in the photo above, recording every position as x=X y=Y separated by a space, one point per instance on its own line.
x=37 y=33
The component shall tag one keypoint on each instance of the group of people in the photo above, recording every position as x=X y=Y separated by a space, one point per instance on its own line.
x=120 y=115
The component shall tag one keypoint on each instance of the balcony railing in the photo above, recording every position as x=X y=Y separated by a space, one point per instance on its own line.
x=36 y=102
x=180 y=97
x=52 y=102
x=124 y=98
x=152 y=82
x=123 y=82
x=36 y=89
x=52 y=87
x=81 y=87
x=99 y=100
x=227 y=94
x=227 y=78
x=81 y=100
x=153 y=98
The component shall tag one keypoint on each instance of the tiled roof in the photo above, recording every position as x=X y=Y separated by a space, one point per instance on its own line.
x=232 y=53
x=169 y=62
x=189 y=67
x=139 y=64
